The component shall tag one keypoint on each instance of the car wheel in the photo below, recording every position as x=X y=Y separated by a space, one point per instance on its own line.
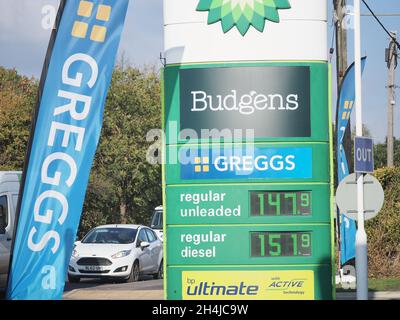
x=73 y=279
x=135 y=273
x=160 y=273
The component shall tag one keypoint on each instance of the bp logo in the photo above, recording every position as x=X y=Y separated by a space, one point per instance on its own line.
x=242 y=13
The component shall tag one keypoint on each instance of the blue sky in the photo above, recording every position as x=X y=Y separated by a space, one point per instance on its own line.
x=23 y=43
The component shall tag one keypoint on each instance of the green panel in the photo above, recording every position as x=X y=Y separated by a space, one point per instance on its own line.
x=230 y=204
x=322 y=274
x=319 y=99
x=234 y=253
x=230 y=245
x=320 y=165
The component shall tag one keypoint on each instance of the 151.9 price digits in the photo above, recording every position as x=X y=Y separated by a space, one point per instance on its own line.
x=280 y=244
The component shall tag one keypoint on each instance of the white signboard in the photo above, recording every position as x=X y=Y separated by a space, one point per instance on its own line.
x=300 y=34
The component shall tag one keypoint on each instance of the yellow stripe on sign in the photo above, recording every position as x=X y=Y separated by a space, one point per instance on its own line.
x=248 y=285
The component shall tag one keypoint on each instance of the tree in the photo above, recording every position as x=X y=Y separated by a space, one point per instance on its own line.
x=17 y=101
x=380 y=154
x=123 y=186
x=133 y=108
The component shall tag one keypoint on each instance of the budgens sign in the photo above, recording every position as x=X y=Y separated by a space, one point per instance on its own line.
x=272 y=102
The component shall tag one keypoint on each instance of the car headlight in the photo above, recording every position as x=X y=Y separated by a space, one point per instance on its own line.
x=121 y=254
x=75 y=253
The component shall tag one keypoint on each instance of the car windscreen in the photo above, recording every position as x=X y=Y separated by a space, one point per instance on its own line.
x=111 y=235
x=157 y=221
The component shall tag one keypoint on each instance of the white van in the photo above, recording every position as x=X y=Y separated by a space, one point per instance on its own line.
x=9 y=188
x=157 y=222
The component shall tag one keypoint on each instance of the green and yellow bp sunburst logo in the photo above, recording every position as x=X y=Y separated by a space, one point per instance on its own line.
x=242 y=13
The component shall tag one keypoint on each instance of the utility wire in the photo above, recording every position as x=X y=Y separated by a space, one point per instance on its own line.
x=381 y=24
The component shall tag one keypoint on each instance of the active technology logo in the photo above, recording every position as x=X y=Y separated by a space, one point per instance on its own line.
x=239 y=163
x=243 y=13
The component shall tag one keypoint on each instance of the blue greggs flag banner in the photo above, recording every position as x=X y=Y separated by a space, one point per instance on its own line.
x=68 y=125
x=345 y=107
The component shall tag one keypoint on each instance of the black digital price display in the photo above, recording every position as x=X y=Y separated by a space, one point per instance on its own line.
x=280 y=244
x=280 y=203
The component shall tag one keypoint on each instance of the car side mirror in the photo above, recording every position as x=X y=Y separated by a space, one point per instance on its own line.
x=144 y=244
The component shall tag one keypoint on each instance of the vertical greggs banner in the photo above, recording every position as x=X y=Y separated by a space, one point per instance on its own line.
x=250 y=219
x=67 y=130
x=345 y=105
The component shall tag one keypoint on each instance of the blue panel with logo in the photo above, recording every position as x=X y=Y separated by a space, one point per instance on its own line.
x=252 y=163
x=259 y=163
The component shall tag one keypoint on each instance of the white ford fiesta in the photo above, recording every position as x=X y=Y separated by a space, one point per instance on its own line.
x=121 y=252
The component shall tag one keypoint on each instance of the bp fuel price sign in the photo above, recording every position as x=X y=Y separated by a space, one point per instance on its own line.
x=247 y=178
x=261 y=209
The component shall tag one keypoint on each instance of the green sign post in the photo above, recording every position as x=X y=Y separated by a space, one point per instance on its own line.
x=247 y=181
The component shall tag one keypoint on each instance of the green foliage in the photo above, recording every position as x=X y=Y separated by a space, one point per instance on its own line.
x=99 y=206
x=384 y=230
x=380 y=154
x=123 y=186
x=132 y=109
x=17 y=101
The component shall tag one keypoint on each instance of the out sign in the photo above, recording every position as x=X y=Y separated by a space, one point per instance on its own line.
x=363 y=155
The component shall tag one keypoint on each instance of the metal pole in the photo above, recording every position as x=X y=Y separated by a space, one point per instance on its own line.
x=361 y=236
x=341 y=67
x=391 y=99
x=341 y=41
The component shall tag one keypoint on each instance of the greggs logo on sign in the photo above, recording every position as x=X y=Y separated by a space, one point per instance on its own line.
x=248 y=285
x=257 y=163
